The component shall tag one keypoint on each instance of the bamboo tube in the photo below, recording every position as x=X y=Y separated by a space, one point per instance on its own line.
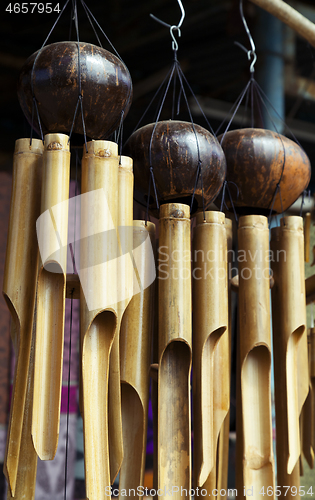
x=289 y=16
x=210 y=341
x=308 y=408
x=174 y=413
x=52 y=231
x=224 y=437
x=125 y=288
x=255 y=354
x=98 y=277
x=27 y=465
x=312 y=378
x=154 y=383
x=307 y=236
x=135 y=351
x=19 y=283
x=289 y=344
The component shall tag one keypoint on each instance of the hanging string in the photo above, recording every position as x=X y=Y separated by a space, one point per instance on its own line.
x=34 y=102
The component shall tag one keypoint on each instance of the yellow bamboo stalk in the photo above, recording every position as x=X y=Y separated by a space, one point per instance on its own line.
x=308 y=409
x=223 y=446
x=27 y=465
x=135 y=352
x=255 y=354
x=98 y=276
x=312 y=378
x=125 y=287
x=154 y=383
x=289 y=343
x=174 y=412
x=19 y=285
x=210 y=342
x=52 y=229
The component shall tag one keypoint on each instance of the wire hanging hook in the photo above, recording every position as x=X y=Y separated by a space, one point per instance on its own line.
x=174 y=41
x=174 y=26
x=251 y=54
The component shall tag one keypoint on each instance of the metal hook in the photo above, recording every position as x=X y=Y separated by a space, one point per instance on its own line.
x=251 y=53
x=174 y=42
x=174 y=26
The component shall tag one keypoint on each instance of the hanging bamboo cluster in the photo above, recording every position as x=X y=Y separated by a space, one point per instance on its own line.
x=192 y=324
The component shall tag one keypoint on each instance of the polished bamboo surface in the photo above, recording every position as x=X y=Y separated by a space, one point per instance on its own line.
x=224 y=436
x=98 y=275
x=307 y=416
x=174 y=411
x=255 y=353
x=19 y=286
x=27 y=465
x=210 y=342
x=52 y=231
x=135 y=356
x=289 y=343
x=125 y=289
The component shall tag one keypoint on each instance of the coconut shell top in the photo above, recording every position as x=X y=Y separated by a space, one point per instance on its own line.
x=106 y=88
x=174 y=159
x=257 y=160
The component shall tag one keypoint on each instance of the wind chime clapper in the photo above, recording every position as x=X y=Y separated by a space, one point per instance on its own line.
x=255 y=355
x=290 y=344
x=135 y=354
x=211 y=344
x=19 y=288
x=174 y=409
x=125 y=290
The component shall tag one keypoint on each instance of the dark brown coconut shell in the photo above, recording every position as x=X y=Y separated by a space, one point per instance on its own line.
x=106 y=88
x=257 y=160
x=174 y=156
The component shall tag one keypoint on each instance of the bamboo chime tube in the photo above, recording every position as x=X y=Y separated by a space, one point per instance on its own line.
x=135 y=354
x=307 y=416
x=223 y=446
x=98 y=300
x=312 y=383
x=289 y=344
x=174 y=409
x=210 y=343
x=27 y=466
x=19 y=285
x=255 y=354
x=125 y=289
x=52 y=230
x=154 y=382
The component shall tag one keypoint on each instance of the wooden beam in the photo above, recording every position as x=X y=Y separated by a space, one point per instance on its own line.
x=280 y=9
